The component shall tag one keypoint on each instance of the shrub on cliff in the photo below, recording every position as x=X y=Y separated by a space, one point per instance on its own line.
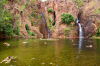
x=28 y=30
x=50 y=10
x=67 y=18
x=27 y=27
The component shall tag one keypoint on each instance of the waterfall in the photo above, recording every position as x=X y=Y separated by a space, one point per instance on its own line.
x=80 y=28
x=45 y=24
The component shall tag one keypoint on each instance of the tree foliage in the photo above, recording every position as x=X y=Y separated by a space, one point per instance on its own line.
x=6 y=22
x=67 y=18
x=50 y=10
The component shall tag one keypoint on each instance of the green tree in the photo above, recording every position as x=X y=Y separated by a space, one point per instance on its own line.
x=6 y=22
x=50 y=10
x=67 y=18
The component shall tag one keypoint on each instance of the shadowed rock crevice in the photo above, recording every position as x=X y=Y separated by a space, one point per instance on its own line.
x=53 y=23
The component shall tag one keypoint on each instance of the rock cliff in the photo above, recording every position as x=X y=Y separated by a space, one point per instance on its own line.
x=89 y=16
x=59 y=7
x=30 y=12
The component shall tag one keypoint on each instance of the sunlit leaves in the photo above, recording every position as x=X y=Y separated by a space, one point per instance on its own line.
x=67 y=18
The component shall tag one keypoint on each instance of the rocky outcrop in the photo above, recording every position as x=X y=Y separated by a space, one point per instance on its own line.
x=90 y=17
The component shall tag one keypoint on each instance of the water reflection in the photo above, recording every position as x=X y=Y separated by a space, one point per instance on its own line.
x=80 y=43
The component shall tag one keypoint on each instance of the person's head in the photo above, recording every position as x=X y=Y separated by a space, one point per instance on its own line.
x=8 y=58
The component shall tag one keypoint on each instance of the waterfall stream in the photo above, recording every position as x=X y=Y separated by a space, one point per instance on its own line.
x=80 y=28
x=81 y=36
x=45 y=24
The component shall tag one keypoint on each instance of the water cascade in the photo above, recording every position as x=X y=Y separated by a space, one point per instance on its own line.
x=45 y=24
x=81 y=33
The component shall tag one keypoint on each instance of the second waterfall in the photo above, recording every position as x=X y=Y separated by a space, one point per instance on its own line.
x=81 y=32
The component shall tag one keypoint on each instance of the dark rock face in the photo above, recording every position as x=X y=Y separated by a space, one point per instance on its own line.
x=88 y=25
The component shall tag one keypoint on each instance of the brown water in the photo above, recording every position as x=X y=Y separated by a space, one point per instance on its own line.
x=62 y=52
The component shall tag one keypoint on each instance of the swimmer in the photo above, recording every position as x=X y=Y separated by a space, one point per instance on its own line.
x=8 y=59
x=89 y=46
x=6 y=44
x=45 y=42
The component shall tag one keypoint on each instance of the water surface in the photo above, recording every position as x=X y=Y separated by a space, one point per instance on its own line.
x=62 y=52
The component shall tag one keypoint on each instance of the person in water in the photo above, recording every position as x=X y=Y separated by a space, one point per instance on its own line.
x=6 y=44
x=8 y=59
